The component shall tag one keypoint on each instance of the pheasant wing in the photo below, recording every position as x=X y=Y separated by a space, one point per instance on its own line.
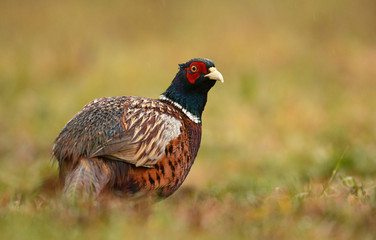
x=144 y=139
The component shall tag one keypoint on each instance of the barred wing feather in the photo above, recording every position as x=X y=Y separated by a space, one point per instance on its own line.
x=144 y=139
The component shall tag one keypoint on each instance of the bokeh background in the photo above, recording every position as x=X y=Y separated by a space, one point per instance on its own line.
x=288 y=148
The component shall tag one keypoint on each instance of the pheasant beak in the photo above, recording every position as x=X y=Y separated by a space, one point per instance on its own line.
x=214 y=74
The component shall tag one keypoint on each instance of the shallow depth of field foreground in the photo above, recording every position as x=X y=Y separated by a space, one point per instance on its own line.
x=289 y=140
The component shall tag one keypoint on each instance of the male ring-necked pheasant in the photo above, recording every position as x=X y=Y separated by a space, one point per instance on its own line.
x=135 y=145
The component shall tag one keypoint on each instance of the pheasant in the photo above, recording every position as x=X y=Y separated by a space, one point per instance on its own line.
x=136 y=146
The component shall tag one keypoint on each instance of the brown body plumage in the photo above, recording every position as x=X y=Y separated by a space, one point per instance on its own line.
x=132 y=145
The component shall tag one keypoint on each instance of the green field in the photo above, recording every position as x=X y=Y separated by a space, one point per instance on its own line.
x=289 y=140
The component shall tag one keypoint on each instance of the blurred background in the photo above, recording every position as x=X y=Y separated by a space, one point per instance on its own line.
x=298 y=100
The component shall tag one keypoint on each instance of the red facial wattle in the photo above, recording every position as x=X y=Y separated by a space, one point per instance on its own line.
x=195 y=70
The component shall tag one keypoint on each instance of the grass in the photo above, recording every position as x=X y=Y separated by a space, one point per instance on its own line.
x=288 y=148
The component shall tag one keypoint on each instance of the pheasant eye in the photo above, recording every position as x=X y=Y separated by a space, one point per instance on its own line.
x=194 y=68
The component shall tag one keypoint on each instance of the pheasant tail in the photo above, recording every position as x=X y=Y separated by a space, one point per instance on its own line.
x=87 y=180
